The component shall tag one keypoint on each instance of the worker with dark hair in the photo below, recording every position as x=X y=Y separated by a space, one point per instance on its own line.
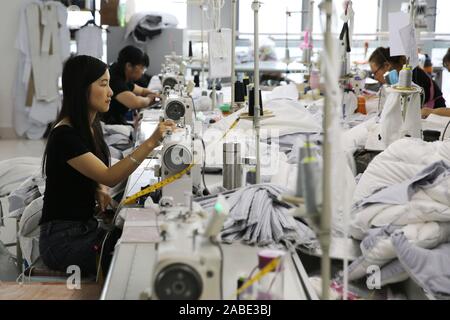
x=78 y=171
x=445 y=112
x=129 y=68
x=446 y=61
x=381 y=63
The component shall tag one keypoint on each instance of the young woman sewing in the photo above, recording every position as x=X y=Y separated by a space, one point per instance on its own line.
x=76 y=165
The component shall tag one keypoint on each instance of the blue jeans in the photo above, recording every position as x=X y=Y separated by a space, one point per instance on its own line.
x=66 y=243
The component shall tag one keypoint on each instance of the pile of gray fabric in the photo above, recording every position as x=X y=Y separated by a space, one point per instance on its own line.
x=257 y=218
x=25 y=204
x=119 y=139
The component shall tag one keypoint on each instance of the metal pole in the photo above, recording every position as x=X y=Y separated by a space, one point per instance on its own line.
x=203 y=55
x=233 y=51
x=256 y=123
x=380 y=17
x=325 y=220
x=310 y=27
x=311 y=19
x=286 y=53
x=412 y=10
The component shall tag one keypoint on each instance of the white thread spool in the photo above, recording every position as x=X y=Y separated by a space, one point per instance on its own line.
x=405 y=77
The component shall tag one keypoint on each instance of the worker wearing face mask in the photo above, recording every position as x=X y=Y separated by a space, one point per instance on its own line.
x=130 y=66
x=445 y=112
x=386 y=69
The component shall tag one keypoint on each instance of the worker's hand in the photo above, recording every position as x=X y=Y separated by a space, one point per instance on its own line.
x=152 y=97
x=426 y=112
x=159 y=133
x=103 y=199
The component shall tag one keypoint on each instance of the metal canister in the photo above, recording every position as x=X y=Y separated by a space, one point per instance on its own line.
x=232 y=165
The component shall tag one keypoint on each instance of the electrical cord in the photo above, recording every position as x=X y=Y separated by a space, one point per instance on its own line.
x=204 y=166
x=217 y=243
x=445 y=131
x=193 y=107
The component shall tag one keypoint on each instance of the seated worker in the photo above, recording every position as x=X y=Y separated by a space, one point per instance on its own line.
x=381 y=62
x=76 y=166
x=444 y=112
x=130 y=66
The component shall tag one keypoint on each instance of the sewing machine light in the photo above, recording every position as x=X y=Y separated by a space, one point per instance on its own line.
x=217 y=218
x=218 y=207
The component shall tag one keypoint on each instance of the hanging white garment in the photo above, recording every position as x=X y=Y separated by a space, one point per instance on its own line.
x=89 y=41
x=44 y=64
x=350 y=104
x=392 y=124
x=40 y=61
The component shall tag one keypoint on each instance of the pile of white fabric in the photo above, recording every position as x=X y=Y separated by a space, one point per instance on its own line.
x=402 y=213
x=258 y=219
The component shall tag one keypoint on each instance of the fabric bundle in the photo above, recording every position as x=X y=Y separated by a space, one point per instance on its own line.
x=144 y=26
x=257 y=218
x=401 y=214
x=119 y=138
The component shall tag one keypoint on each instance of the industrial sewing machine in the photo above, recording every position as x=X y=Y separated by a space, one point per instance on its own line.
x=188 y=261
x=181 y=160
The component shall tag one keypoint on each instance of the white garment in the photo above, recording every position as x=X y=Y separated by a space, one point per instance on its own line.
x=155 y=84
x=393 y=125
x=167 y=20
x=284 y=92
x=46 y=69
x=290 y=117
x=15 y=171
x=402 y=161
x=89 y=41
x=29 y=230
x=350 y=104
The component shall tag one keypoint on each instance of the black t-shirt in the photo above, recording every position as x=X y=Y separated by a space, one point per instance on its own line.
x=69 y=195
x=117 y=111
x=422 y=79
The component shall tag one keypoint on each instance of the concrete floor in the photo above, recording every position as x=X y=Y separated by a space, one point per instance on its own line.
x=21 y=148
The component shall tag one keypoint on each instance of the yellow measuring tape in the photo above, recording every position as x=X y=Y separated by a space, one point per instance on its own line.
x=234 y=124
x=132 y=199
x=268 y=268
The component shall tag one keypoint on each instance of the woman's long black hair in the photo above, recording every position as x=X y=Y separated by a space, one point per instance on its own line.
x=78 y=74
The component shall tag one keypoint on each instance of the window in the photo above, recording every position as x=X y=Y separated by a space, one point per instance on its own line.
x=272 y=17
x=178 y=8
x=442 y=20
x=366 y=17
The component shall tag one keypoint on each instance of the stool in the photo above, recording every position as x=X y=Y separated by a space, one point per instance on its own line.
x=39 y=272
